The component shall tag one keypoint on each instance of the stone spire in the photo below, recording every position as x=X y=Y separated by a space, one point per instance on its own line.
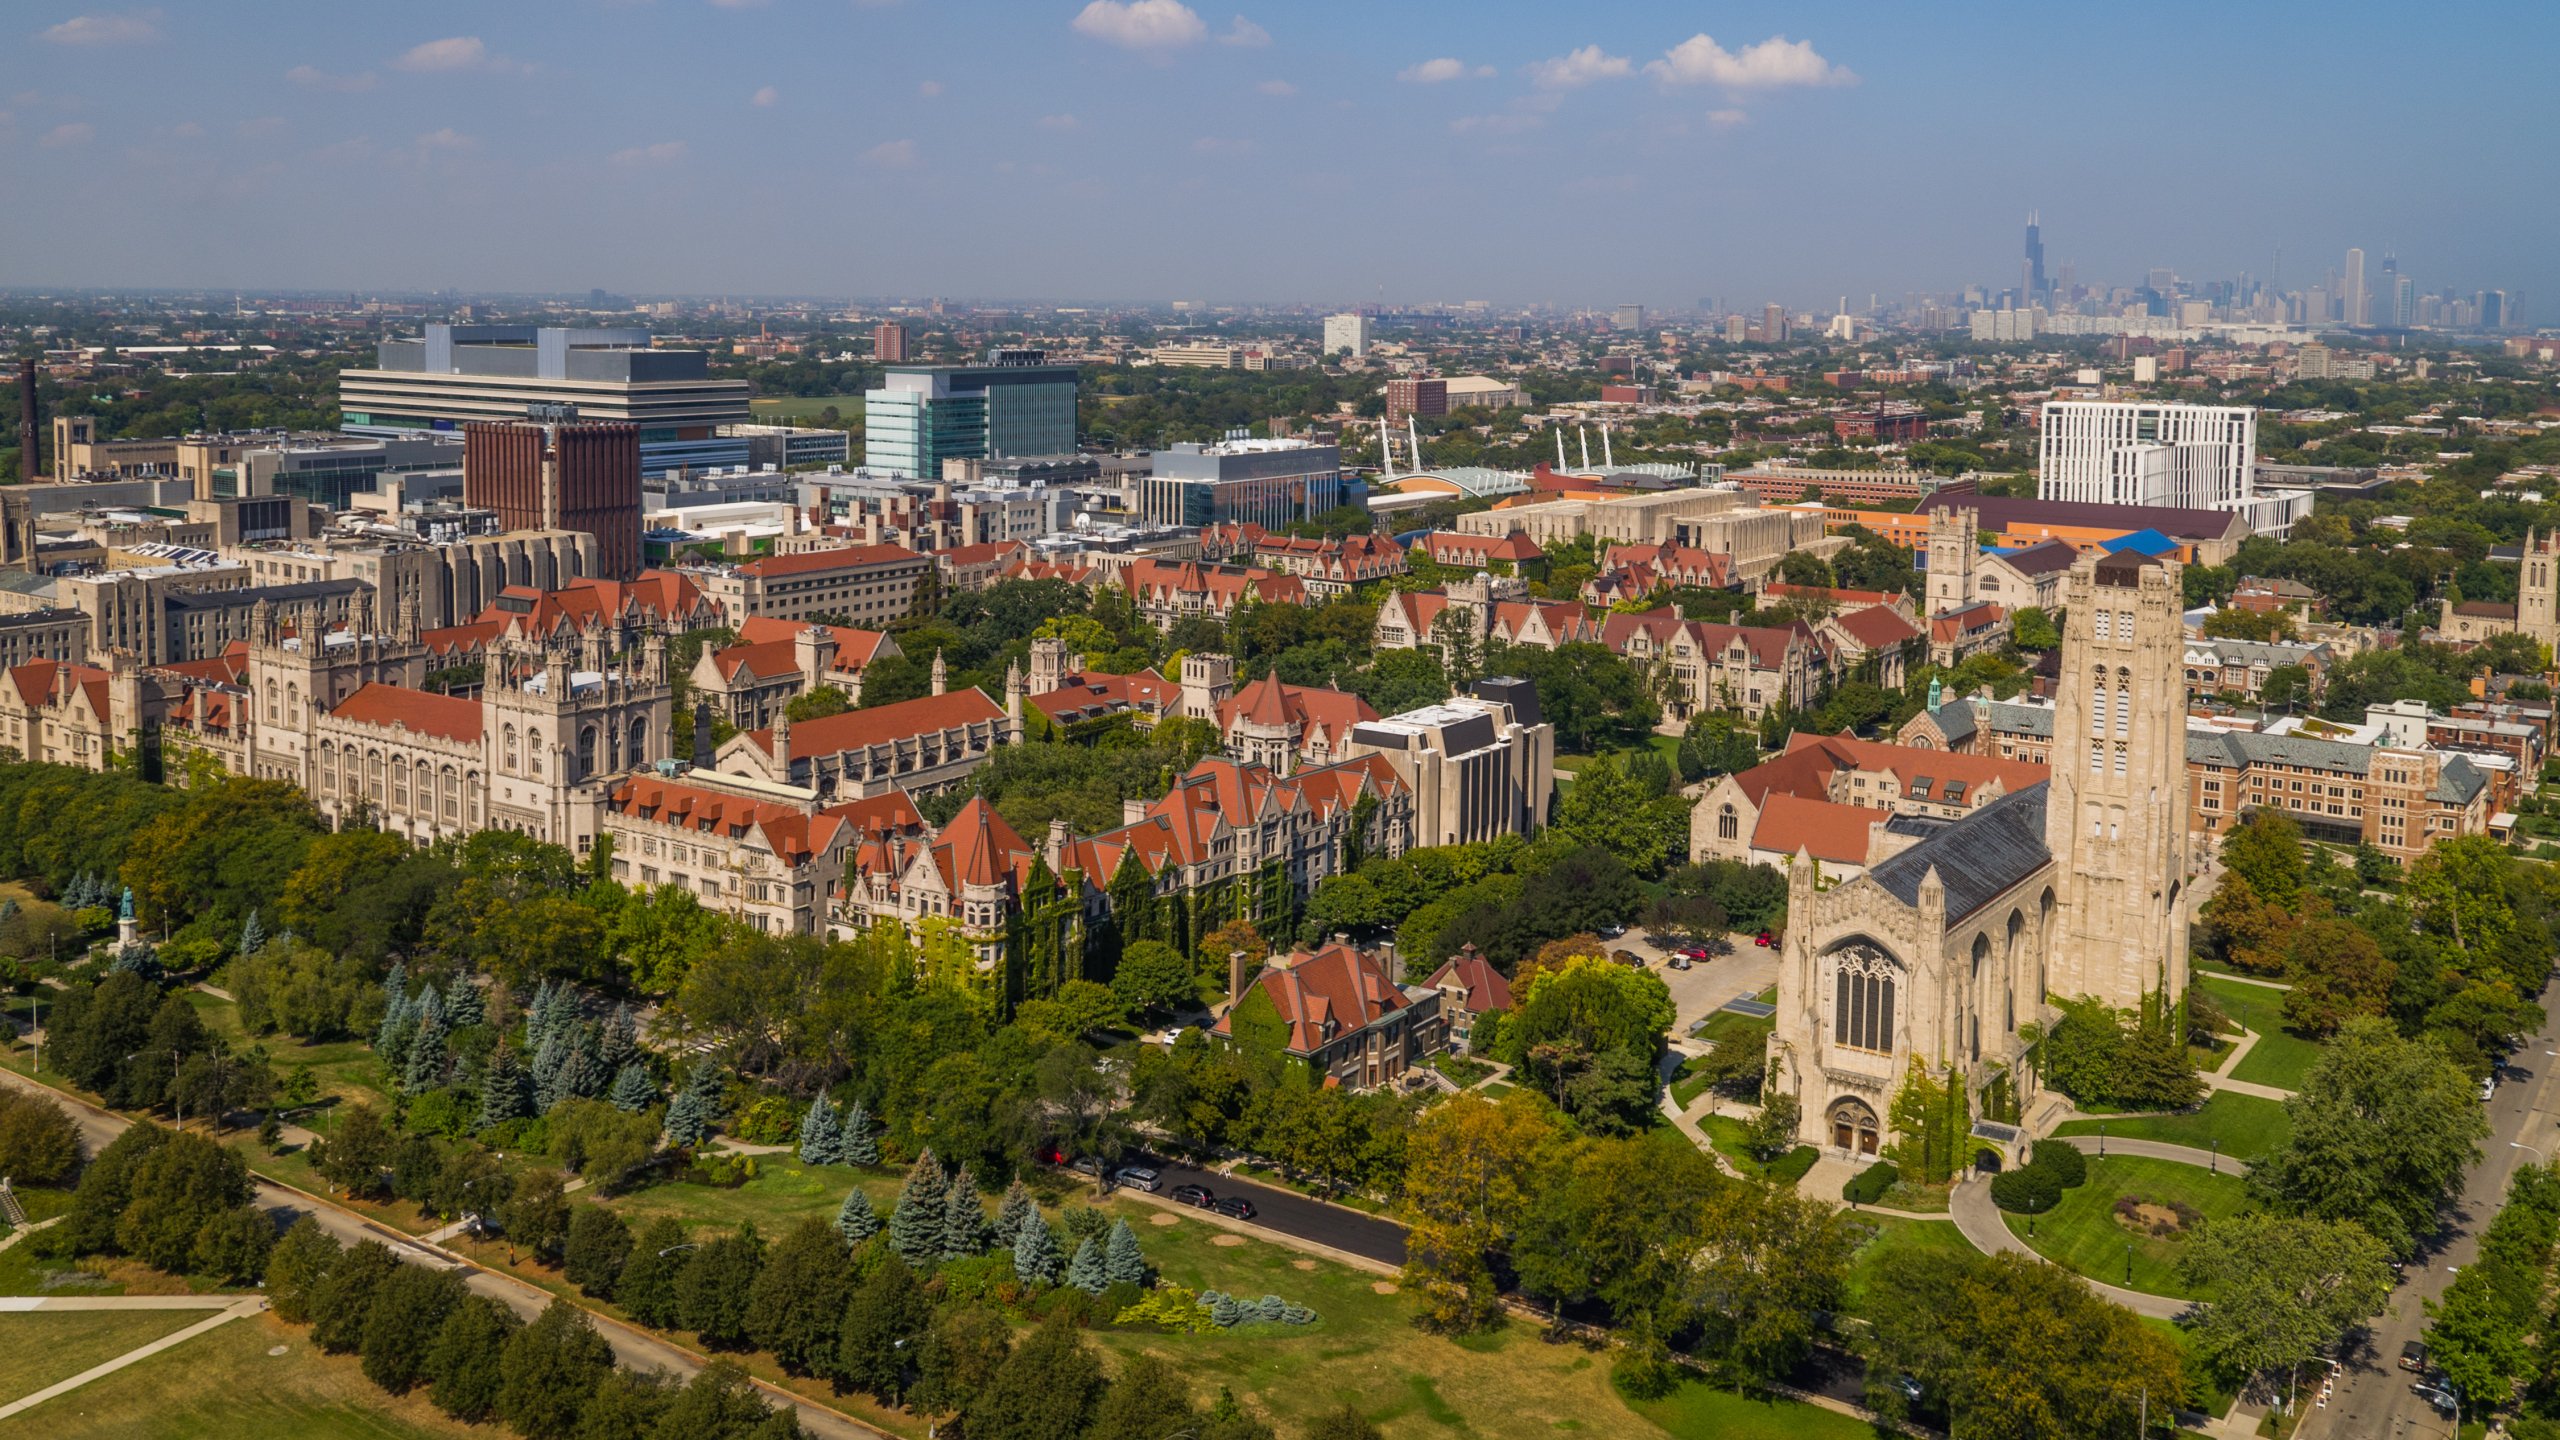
x=941 y=674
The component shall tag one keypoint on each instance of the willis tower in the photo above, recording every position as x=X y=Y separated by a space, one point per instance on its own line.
x=2034 y=267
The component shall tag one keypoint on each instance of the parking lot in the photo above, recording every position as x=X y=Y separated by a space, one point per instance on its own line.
x=1706 y=985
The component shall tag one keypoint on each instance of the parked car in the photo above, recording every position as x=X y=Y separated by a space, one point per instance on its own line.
x=2441 y=1397
x=2413 y=1356
x=1677 y=961
x=1087 y=1165
x=1694 y=952
x=1762 y=940
x=1194 y=1195
x=1612 y=932
x=1234 y=1207
x=2488 y=1088
x=1138 y=1177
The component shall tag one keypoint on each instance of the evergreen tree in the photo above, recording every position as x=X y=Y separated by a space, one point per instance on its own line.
x=537 y=1017
x=296 y=1267
x=647 y=1285
x=964 y=1218
x=343 y=1297
x=429 y=1007
x=425 y=1070
x=697 y=1107
x=1121 y=1262
x=545 y=1072
x=916 y=1223
x=502 y=1090
x=861 y=1146
x=721 y=1403
x=464 y=1006
x=711 y=1293
x=627 y=1406
x=818 y=1133
x=619 y=1045
x=1048 y=1386
x=253 y=936
x=633 y=1091
x=1035 y=1252
x=856 y=1221
x=463 y=1360
x=396 y=1016
x=548 y=1370
x=1016 y=1207
x=1086 y=1271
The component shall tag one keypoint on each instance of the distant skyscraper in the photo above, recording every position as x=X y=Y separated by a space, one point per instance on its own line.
x=889 y=343
x=1017 y=404
x=2358 y=312
x=1773 y=322
x=2035 y=260
x=1346 y=334
x=558 y=473
x=1627 y=317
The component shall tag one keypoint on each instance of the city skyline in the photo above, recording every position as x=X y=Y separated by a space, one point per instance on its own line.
x=1140 y=150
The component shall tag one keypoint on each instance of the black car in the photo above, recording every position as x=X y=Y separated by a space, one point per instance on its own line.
x=1234 y=1207
x=2413 y=1356
x=1194 y=1195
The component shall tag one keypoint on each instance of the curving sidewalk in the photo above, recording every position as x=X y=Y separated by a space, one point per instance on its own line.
x=1979 y=1221
x=2153 y=1150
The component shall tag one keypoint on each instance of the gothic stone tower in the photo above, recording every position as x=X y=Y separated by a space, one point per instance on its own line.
x=2538 y=588
x=1955 y=548
x=2115 y=818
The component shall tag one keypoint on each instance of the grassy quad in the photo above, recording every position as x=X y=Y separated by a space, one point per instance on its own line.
x=343 y=1069
x=47 y=1348
x=2246 y=1125
x=2083 y=1235
x=2281 y=1057
x=1893 y=1235
x=225 y=1383
x=1727 y=1135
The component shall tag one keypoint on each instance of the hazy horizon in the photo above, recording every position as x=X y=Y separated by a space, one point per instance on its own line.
x=1325 y=154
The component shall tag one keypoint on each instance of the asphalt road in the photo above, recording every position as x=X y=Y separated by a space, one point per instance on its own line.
x=2372 y=1398
x=632 y=1348
x=1286 y=1212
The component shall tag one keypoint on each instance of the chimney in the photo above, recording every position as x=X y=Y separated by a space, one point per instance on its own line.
x=701 y=731
x=1055 y=851
x=1132 y=811
x=1236 y=978
x=782 y=746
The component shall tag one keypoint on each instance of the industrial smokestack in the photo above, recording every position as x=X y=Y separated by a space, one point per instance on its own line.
x=30 y=424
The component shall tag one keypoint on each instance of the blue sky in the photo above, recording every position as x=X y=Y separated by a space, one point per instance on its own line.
x=1252 y=150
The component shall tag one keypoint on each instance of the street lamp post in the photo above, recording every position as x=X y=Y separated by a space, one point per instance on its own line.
x=2215 y=1164
x=2102 y=1140
x=2128 y=1264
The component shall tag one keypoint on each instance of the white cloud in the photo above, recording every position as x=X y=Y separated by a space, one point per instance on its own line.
x=1774 y=63
x=456 y=52
x=1277 y=87
x=1141 y=24
x=1442 y=70
x=106 y=29
x=1578 y=68
x=1056 y=122
x=1727 y=119
x=891 y=155
x=665 y=152
x=929 y=89
x=764 y=97
x=1513 y=123
x=78 y=132
x=1245 y=33
x=312 y=77
x=260 y=127
x=446 y=139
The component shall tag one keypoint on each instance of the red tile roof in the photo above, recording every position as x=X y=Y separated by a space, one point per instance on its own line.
x=855 y=729
x=793 y=835
x=423 y=711
x=1310 y=711
x=1825 y=830
x=1877 y=628
x=1327 y=994
x=1093 y=693
x=1481 y=988
x=812 y=561
x=1450 y=547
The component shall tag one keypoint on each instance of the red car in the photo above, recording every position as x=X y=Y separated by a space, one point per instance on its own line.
x=1762 y=940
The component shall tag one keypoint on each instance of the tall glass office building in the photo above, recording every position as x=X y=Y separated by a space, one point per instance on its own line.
x=1016 y=405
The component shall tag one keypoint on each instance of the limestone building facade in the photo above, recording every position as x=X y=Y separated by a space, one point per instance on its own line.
x=1937 y=954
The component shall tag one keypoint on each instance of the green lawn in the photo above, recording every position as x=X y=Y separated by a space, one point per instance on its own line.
x=1893 y=1235
x=345 y=1069
x=2082 y=1233
x=2211 y=1396
x=2247 y=1126
x=224 y=1383
x=799 y=407
x=1726 y=1134
x=783 y=1191
x=2281 y=1057
x=1700 y=1411
x=45 y=1349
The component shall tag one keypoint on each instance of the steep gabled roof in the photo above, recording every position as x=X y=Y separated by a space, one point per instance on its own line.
x=1321 y=996
x=881 y=725
x=811 y=562
x=1977 y=857
x=1830 y=832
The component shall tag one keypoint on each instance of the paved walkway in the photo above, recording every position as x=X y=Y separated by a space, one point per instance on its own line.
x=233 y=1307
x=1981 y=1223
x=28 y=1304
x=2246 y=1087
x=2152 y=1150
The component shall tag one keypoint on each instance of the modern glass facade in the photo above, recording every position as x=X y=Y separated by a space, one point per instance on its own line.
x=924 y=415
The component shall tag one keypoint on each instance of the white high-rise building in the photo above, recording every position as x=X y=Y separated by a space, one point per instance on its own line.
x=2113 y=452
x=1347 y=332
x=2358 y=302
